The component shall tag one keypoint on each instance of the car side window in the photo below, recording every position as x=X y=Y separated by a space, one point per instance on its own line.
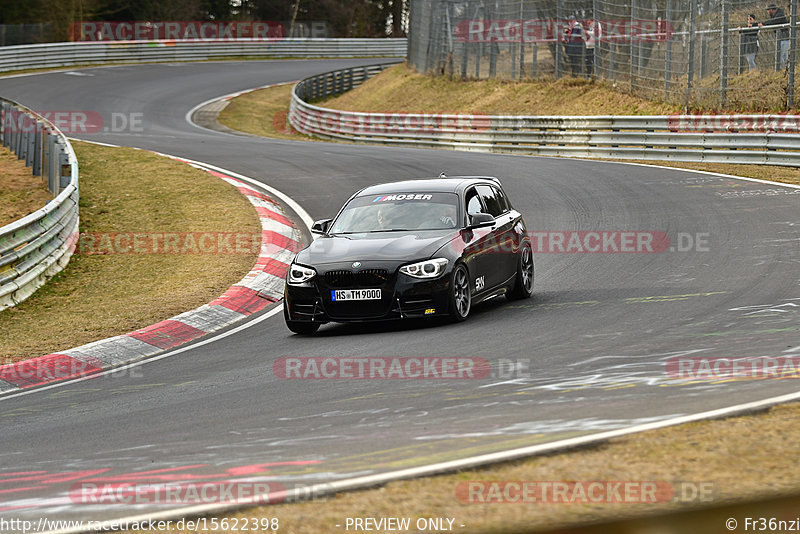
x=473 y=203
x=491 y=200
x=501 y=197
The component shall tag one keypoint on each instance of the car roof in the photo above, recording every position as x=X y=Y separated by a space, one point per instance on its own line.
x=448 y=184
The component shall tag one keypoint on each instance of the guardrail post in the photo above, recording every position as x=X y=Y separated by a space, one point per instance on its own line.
x=55 y=174
x=22 y=147
x=47 y=173
x=64 y=168
x=16 y=136
x=30 y=146
x=37 y=150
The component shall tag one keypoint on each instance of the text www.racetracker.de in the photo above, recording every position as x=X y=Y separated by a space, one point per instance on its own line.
x=201 y=524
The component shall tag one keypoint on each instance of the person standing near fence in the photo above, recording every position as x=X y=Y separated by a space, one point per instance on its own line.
x=593 y=33
x=749 y=41
x=574 y=46
x=777 y=16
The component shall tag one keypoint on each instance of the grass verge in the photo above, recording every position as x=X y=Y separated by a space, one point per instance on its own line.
x=690 y=454
x=21 y=192
x=399 y=89
x=262 y=112
x=101 y=295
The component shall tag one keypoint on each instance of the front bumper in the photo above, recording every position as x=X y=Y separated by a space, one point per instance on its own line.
x=402 y=296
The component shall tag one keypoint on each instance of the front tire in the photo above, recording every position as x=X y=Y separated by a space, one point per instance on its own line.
x=460 y=297
x=299 y=327
x=523 y=282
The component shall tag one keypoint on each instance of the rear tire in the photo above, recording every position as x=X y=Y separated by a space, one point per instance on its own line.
x=299 y=327
x=523 y=282
x=460 y=297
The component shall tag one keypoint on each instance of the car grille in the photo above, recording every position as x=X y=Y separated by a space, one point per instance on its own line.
x=364 y=278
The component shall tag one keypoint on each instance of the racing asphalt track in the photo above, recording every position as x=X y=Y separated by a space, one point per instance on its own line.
x=596 y=333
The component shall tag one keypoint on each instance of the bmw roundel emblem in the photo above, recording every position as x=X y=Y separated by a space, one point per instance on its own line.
x=356 y=264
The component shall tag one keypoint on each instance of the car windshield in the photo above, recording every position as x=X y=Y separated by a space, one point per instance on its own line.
x=398 y=212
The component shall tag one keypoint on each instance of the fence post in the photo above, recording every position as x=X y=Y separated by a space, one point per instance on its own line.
x=723 y=57
x=557 y=38
x=492 y=51
x=631 y=48
x=464 y=57
x=692 y=30
x=479 y=45
x=668 y=58
x=521 y=40
x=792 y=55
x=703 y=56
x=596 y=54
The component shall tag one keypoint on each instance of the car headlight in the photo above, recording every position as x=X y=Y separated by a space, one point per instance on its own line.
x=425 y=269
x=299 y=275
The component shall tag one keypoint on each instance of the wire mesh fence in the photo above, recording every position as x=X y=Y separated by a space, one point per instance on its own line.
x=702 y=54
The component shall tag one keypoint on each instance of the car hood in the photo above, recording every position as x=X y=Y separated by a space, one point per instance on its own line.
x=390 y=246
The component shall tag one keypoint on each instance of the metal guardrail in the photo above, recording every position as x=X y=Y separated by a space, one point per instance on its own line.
x=66 y=54
x=748 y=139
x=39 y=245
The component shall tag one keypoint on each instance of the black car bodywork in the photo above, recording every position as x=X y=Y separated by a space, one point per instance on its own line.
x=418 y=248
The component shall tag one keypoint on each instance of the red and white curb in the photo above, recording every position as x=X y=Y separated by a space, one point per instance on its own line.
x=262 y=286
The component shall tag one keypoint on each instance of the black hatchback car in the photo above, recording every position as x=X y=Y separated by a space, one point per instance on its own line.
x=418 y=248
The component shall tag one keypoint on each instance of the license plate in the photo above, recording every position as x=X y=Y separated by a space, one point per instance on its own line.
x=356 y=294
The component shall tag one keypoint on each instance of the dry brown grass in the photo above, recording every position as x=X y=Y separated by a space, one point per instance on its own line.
x=21 y=192
x=261 y=112
x=97 y=296
x=400 y=89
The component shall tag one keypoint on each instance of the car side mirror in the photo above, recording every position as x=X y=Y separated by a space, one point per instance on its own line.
x=480 y=220
x=321 y=226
